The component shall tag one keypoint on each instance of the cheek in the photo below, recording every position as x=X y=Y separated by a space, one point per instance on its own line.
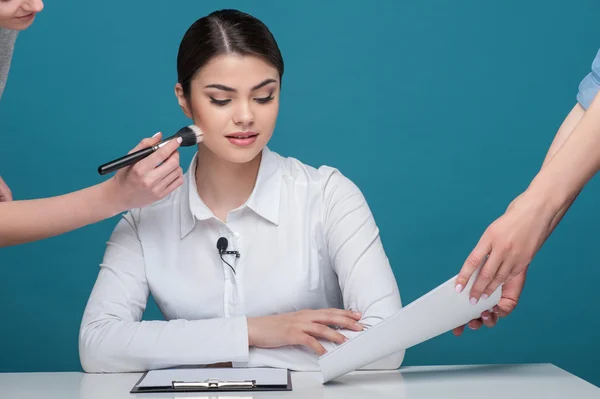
x=6 y=15
x=211 y=119
x=268 y=116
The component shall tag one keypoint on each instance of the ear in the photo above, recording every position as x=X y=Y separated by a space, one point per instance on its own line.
x=183 y=103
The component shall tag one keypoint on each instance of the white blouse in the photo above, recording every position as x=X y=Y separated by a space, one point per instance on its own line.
x=306 y=238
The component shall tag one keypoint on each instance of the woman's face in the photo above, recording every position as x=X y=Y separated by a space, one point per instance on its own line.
x=234 y=99
x=19 y=14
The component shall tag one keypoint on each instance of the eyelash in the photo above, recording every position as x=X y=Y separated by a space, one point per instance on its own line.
x=222 y=103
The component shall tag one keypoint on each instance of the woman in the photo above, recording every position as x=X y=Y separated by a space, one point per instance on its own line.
x=511 y=242
x=303 y=246
x=148 y=181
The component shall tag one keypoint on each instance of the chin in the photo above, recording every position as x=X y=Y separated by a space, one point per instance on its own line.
x=242 y=155
x=21 y=25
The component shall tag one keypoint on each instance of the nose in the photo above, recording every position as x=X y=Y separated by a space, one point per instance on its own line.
x=243 y=115
x=33 y=6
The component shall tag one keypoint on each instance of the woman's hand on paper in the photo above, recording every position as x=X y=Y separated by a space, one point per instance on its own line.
x=302 y=328
x=150 y=179
x=511 y=291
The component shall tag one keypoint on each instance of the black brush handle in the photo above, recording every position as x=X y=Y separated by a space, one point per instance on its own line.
x=125 y=161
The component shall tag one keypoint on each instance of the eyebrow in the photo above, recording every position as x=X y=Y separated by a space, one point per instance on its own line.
x=227 y=88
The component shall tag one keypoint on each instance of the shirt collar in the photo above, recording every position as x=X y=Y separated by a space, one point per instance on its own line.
x=264 y=199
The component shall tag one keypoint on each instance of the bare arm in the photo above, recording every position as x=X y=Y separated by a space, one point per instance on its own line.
x=513 y=239
x=147 y=181
x=511 y=290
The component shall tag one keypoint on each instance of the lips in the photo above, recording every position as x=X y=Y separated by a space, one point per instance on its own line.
x=30 y=15
x=242 y=135
x=242 y=139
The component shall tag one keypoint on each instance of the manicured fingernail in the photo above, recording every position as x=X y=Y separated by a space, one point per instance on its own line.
x=179 y=140
x=359 y=326
x=473 y=301
x=156 y=134
x=484 y=297
x=458 y=288
x=472 y=328
x=484 y=317
x=357 y=314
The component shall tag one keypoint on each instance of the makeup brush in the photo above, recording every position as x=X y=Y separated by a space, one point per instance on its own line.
x=190 y=135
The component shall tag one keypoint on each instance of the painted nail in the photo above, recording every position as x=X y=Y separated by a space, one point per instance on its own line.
x=179 y=140
x=485 y=317
x=484 y=297
x=472 y=328
x=357 y=314
x=473 y=301
x=156 y=134
x=458 y=288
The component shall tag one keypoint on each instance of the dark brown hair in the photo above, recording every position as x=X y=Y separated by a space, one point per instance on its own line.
x=224 y=32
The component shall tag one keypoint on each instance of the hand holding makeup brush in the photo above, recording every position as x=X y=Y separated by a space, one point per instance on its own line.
x=150 y=179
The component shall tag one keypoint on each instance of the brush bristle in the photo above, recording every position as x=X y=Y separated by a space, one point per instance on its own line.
x=197 y=132
x=191 y=135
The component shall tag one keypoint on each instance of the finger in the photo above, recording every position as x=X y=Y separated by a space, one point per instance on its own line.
x=458 y=330
x=147 y=142
x=473 y=262
x=341 y=319
x=168 y=179
x=500 y=278
x=323 y=314
x=5 y=193
x=495 y=318
x=486 y=275
x=159 y=156
x=489 y=320
x=475 y=324
x=322 y=331
x=505 y=307
x=171 y=187
x=353 y=313
x=313 y=344
x=157 y=174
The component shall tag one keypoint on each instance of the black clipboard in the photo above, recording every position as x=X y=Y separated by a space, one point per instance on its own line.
x=214 y=384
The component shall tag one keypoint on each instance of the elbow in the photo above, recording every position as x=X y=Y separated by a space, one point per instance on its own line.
x=96 y=354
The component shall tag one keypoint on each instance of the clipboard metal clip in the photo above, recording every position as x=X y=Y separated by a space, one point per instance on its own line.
x=214 y=383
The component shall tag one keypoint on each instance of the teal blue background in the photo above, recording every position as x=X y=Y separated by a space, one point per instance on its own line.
x=440 y=111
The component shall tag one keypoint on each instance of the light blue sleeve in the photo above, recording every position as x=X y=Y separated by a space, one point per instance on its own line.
x=590 y=85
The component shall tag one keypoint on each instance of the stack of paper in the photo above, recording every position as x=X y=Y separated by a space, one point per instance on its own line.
x=435 y=313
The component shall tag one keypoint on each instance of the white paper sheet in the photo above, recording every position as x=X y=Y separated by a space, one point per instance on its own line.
x=263 y=376
x=439 y=311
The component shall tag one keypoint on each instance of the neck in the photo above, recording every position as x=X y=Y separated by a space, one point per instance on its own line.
x=224 y=185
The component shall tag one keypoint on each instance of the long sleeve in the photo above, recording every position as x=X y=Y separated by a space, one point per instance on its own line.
x=114 y=339
x=357 y=255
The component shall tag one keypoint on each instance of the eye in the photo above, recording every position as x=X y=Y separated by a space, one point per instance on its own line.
x=219 y=102
x=264 y=100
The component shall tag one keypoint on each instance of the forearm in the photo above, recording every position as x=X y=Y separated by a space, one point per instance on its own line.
x=562 y=175
x=31 y=220
x=564 y=132
x=128 y=346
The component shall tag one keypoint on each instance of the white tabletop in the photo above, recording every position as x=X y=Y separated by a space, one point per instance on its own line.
x=464 y=382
